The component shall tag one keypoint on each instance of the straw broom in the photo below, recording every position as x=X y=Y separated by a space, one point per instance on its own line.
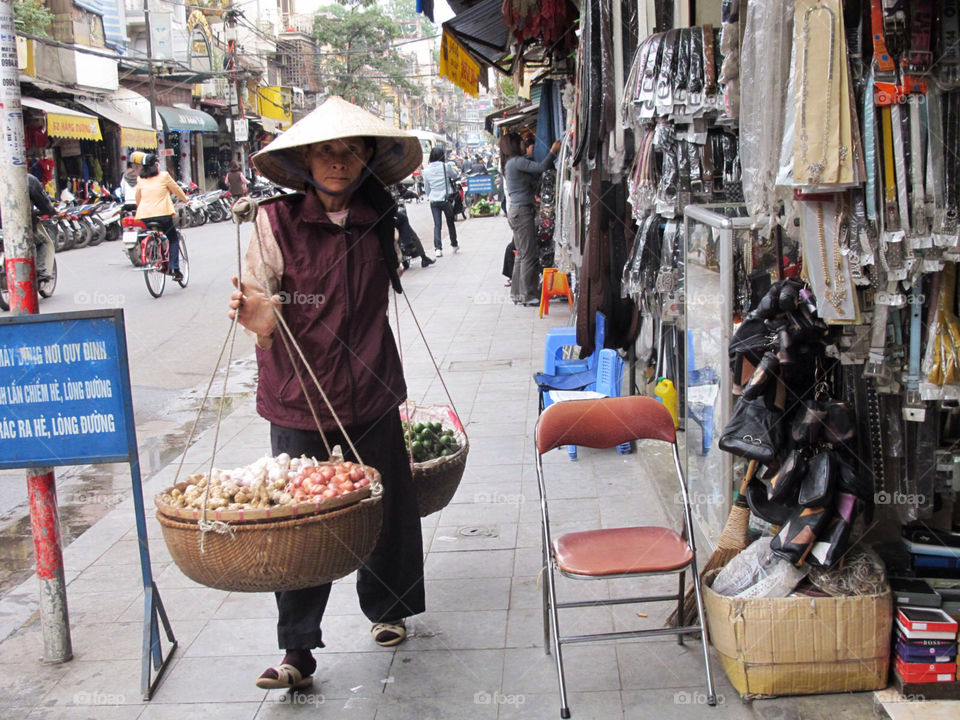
x=732 y=540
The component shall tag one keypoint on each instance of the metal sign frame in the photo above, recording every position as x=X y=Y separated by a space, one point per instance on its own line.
x=154 y=613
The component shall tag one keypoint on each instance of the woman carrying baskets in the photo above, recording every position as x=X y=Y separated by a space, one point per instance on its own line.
x=326 y=259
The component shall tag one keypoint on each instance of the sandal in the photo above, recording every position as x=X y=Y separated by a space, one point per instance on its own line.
x=287 y=677
x=388 y=634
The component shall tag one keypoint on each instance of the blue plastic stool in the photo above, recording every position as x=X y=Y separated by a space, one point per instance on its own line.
x=609 y=383
x=559 y=338
x=702 y=415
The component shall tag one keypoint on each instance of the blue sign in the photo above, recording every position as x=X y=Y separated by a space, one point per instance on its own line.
x=479 y=184
x=64 y=390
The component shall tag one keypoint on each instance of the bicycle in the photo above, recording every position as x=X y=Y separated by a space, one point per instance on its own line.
x=155 y=257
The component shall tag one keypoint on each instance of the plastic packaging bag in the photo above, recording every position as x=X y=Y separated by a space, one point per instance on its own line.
x=757 y=573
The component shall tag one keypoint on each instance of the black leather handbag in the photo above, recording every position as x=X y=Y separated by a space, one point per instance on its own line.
x=754 y=431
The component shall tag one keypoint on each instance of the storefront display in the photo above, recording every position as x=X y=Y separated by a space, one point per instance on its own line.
x=777 y=238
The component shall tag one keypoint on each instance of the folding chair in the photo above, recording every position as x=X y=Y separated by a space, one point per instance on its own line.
x=626 y=552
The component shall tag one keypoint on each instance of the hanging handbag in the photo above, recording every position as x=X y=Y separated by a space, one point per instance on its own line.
x=452 y=195
x=754 y=431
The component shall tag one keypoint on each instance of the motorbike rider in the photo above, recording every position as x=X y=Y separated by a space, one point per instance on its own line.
x=41 y=203
x=409 y=240
x=129 y=181
x=154 y=206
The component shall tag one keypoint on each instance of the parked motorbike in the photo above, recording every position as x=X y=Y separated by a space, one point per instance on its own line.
x=216 y=204
x=131 y=239
x=109 y=214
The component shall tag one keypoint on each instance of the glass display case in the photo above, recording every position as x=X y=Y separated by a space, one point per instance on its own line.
x=721 y=249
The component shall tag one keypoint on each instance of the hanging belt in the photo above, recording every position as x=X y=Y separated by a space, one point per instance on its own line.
x=917 y=207
x=693 y=155
x=891 y=213
x=949 y=48
x=870 y=150
x=683 y=165
x=900 y=165
x=917 y=59
x=668 y=65
x=695 y=83
x=881 y=56
x=648 y=78
x=951 y=118
x=682 y=75
x=709 y=65
x=914 y=413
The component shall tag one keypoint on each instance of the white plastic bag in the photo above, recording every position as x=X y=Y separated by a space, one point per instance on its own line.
x=757 y=573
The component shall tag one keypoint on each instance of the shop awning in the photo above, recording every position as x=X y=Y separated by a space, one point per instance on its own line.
x=65 y=123
x=187 y=119
x=482 y=32
x=133 y=133
x=509 y=116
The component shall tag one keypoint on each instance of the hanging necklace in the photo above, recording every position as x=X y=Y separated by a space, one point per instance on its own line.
x=815 y=170
x=836 y=291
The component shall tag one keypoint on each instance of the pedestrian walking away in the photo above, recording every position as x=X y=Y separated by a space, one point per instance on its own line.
x=335 y=240
x=522 y=176
x=236 y=182
x=438 y=176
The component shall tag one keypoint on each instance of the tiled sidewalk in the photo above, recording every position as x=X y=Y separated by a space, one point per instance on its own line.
x=477 y=651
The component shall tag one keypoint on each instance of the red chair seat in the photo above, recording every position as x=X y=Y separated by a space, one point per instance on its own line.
x=620 y=551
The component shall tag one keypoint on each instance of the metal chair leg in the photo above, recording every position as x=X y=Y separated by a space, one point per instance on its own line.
x=702 y=615
x=555 y=629
x=680 y=618
x=545 y=605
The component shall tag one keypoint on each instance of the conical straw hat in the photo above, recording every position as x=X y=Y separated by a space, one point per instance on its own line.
x=284 y=161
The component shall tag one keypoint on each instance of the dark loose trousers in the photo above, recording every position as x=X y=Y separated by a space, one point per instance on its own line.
x=390 y=583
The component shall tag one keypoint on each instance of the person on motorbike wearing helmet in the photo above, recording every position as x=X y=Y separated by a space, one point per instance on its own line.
x=155 y=206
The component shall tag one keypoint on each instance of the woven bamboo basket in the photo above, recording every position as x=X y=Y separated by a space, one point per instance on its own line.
x=437 y=480
x=276 y=555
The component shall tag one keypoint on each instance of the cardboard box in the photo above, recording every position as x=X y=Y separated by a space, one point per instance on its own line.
x=801 y=645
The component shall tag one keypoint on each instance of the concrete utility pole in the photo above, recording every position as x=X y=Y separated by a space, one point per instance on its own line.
x=230 y=35
x=153 y=81
x=21 y=275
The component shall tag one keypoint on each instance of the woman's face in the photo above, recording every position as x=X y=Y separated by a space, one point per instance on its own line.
x=336 y=164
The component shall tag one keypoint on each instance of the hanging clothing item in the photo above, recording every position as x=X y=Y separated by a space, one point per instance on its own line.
x=765 y=58
x=547 y=130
